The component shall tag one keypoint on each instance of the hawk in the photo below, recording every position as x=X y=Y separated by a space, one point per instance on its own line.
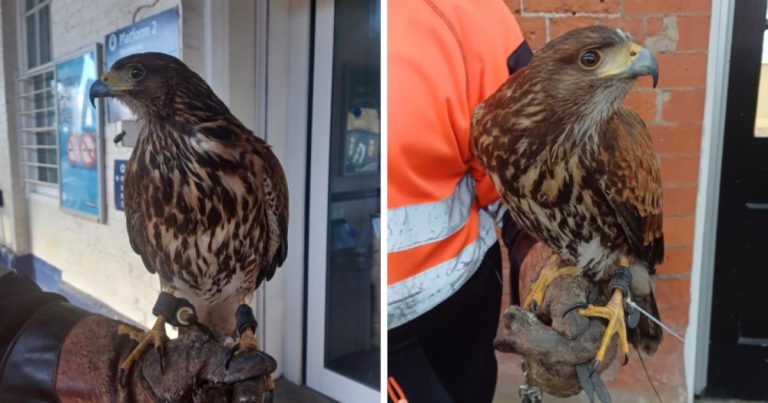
x=206 y=201
x=578 y=171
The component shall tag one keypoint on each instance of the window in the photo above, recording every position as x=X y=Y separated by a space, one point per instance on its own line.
x=37 y=108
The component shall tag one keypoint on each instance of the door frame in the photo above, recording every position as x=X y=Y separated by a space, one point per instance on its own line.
x=318 y=377
x=696 y=349
x=283 y=67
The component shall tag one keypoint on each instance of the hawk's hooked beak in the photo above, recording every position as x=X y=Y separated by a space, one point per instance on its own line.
x=111 y=84
x=98 y=90
x=630 y=61
x=643 y=63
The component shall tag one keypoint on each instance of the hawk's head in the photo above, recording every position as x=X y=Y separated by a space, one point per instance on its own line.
x=156 y=84
x=590 y=70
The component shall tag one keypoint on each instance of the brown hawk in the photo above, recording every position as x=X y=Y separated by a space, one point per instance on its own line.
x=206 y=201
x=578 y=171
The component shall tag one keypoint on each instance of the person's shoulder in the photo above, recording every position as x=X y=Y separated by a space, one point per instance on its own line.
x=487 y=20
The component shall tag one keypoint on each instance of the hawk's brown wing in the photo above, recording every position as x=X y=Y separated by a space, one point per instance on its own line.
x=275 y=212
x=632 y=185
x=134 y=217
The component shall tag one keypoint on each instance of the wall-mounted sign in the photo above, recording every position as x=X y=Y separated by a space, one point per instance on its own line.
x=158 y=33
x=120 y=166
x=80 y=137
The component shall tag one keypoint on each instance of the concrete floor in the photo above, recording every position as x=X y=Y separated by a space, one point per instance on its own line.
x=288 y=392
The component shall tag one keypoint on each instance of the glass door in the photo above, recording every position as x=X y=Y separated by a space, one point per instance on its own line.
x=343 y=331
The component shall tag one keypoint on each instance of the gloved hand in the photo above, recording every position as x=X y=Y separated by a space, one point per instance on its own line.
x=52 y=350
x=193 y=368
x=553 y=344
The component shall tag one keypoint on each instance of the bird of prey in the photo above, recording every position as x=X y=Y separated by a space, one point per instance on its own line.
x=206 y=201
x=578 y=171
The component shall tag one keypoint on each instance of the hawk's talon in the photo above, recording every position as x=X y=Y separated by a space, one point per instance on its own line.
x=548 y=274
x=160 y=355
x=573 y=308
x=155 y=336
x=593 y=367
x=121 y=377
x=231 y=354
x=614 y=313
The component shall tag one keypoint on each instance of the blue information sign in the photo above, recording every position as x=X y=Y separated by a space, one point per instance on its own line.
x=120 y=166
x=158 y=33
x=79 y=137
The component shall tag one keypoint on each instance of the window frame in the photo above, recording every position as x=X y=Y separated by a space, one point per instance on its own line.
x=27 y=143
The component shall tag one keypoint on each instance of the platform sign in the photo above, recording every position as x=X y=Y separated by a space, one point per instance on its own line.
x=120 y=166
x=79 y=132
x=157 y=33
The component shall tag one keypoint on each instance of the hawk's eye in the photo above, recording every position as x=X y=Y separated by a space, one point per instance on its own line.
x=136 y=73
x=590 y=59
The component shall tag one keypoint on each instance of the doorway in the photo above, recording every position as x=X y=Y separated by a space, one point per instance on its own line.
x=738 y=349
x=343 y=320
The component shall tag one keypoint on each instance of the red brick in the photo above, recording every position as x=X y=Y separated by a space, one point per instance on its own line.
x=635 y=26
x=680 y=201
x=679 y=170
x=666 y=6
x=693 y=32
x=677 y=139
x=678 y=231
x=559 y=26
x=514 y=7
x=673 y=292
x=682 y=70
x=643 y=102
x=665 y=368
x=534 y=31
x=571 y=6
x=683 y=106
x=675 y=315
x=677 y=260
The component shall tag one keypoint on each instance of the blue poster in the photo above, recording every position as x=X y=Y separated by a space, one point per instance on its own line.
x=79 y=136
x=120 y=166
x=157 y=33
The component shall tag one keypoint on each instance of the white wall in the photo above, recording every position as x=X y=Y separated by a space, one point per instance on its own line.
x=14 y=230
x=96 y=258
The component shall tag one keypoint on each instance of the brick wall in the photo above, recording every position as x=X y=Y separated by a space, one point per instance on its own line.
x=676 y=31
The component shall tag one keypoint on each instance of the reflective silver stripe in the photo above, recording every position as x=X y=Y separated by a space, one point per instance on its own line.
x=419 y=224
x=416 y=295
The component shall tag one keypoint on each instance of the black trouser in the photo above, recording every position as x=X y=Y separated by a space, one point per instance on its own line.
x=447 y=353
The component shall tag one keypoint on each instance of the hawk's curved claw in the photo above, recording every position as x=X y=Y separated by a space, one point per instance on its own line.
x=121 y=377
x=231 y=354
x=160 y=354
x=548 y=274
x=613 y=312
x=573 y=308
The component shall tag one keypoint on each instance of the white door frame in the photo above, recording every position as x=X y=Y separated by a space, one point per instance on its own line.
x=318 y=377
x=285 y=56
x=696 y=350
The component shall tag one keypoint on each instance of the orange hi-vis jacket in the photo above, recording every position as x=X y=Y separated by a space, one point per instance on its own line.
x=445 y=57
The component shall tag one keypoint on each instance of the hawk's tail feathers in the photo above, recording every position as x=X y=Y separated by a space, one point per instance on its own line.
x=647 y=336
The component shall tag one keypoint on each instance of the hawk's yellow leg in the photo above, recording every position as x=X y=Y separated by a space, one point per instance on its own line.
x=614 y=312
x=155 y=336
x=248 y=342
x=548 y=274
